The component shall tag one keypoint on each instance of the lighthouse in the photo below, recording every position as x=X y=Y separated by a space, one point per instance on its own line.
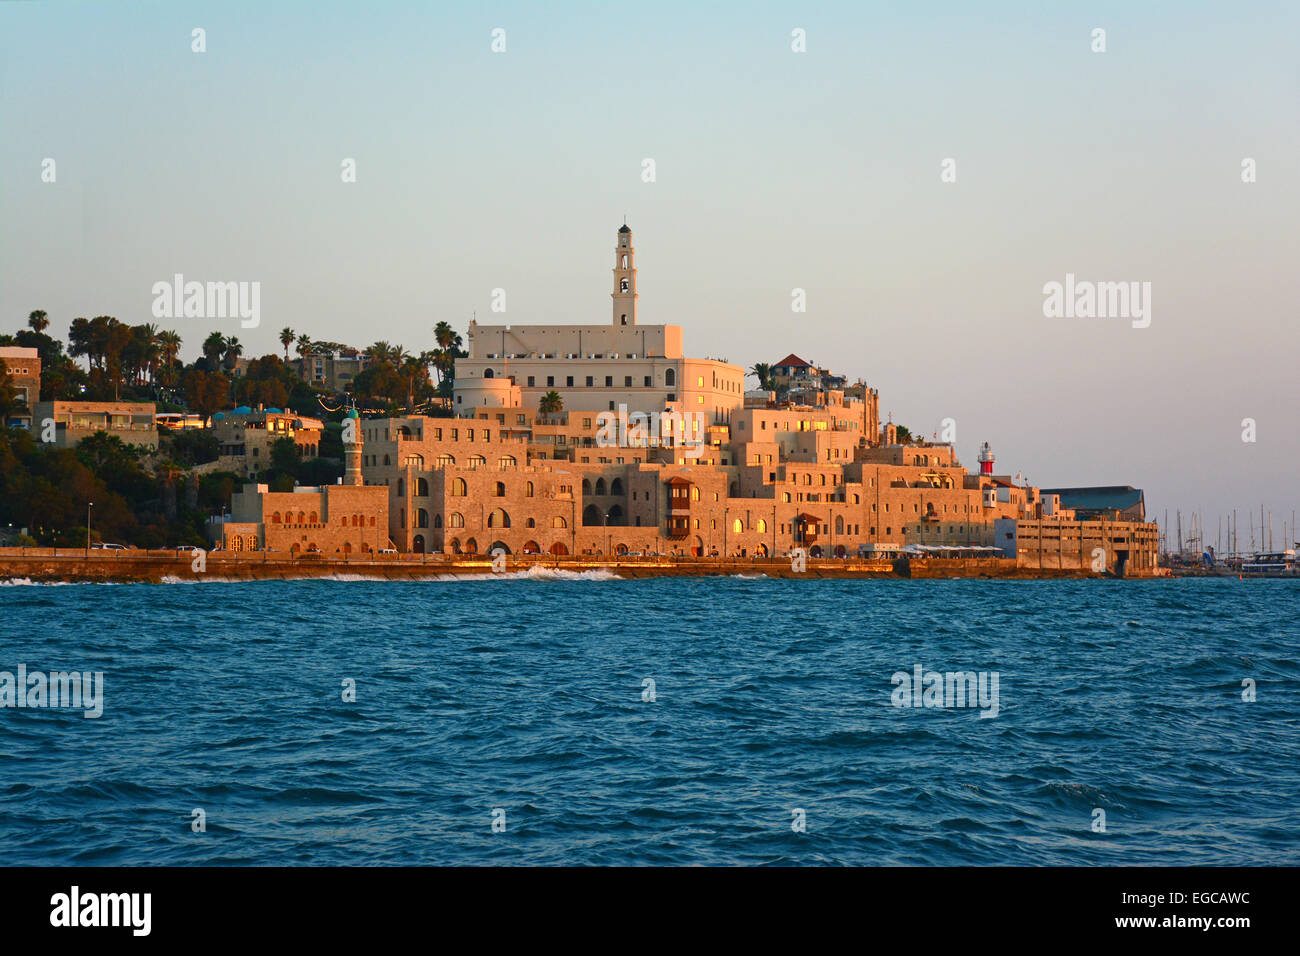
x=352 y=448
x=986 y=459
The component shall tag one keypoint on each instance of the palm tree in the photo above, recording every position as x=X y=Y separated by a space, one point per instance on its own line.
x=448 y=350
x=214 y=346
x=232 y=352
x=413 y=368
x=170 y=343
x=305 y=345
x=764 y=373
x=38 y=321
x=551 y=403
x=286 y=339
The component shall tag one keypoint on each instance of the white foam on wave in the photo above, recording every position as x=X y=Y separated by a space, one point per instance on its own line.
x=534 y=573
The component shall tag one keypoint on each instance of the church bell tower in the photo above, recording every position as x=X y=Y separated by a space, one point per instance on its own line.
x=624 y=294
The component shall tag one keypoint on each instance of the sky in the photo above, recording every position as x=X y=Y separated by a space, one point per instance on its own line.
x=774 y=170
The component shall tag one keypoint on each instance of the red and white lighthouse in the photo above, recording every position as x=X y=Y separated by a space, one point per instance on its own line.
x=986 y=459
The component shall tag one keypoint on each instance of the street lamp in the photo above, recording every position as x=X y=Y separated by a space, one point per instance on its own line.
x=89 y=505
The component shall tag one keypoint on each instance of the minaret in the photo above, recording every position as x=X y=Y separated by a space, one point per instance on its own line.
x=352 y=449
x=624 y=294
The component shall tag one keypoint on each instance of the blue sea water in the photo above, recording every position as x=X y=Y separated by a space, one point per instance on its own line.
x=526 y=695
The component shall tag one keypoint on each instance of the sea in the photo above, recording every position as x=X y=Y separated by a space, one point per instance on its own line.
x=580 y=719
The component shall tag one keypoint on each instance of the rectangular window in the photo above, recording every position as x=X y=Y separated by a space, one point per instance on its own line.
x=627 y=381
x=569 y=381
x=532 y=381
x=591 y=380
x=550 y=380
x=647 y=381
x=609 y=381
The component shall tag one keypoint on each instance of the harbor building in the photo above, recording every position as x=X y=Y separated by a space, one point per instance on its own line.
x=347 y=518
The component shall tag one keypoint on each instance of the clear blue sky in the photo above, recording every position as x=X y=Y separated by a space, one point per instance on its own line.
x=775 y=170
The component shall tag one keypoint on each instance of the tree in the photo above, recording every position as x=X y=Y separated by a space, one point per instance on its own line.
x=214 y=346
x=305 y=345
x=206 y=392
x=286 y=339
x=445 y=355
x=233 y=350
x=38 y=321
x=763 y=371
x=170 y=344
x=903 y=434
x=551 y=403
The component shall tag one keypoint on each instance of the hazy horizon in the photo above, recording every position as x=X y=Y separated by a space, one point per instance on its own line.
x=775 y=170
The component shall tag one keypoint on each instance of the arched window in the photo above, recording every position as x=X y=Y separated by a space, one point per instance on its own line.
x=275 y=517
x=670 y=377
x=437 y=519
x=615 y=515
x=477 y=461
x=387 y=460
x=616 y=486
x=302 y=517
x=488 y=373
x=459 y=488
x=695 y=493
x=591 y=516
x=823 y=479
x=421 y=518
x=528 y=490
x=530 y=523
x=762 y=525
x=457 y=520
x=839 y=524
x=311 y=518
x=737 y=526
x=600 y=486
x=559 y=522
x=507 y=461
x=622 y=285
x=444 y=461
x=500 y=491
x=414 y=461
x=401 y=487
x=586 y=486
x=421 y=488
x=498 y=519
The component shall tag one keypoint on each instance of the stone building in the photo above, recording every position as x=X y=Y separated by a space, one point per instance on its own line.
x=24 y=368
x=595 y=367
x=245 y=437
x=133 y=422
x=347 y=518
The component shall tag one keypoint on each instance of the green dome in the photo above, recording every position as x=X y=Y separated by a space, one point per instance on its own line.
x=352 y=413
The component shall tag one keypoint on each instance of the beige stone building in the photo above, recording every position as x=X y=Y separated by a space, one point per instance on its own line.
x=133 y=422
x=342 y=519
x=596 y=367
x=246 y=435
x=24 y=368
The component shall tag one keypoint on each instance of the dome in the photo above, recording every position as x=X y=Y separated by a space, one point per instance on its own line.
x=352 y=413
x=625 y=228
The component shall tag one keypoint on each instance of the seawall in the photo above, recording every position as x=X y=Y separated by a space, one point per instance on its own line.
x=77 y=565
